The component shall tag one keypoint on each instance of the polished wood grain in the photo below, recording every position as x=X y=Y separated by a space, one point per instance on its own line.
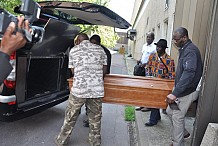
x=136 y=91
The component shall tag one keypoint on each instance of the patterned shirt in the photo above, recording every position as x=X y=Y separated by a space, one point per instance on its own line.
x=156 y=68
x=87 y=59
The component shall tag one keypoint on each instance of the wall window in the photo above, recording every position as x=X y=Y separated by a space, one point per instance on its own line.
x=166 y=4
x=165 y=28
x=147 y=21
x=158 y=35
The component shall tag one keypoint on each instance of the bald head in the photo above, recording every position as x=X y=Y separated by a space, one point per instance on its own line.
x=149 y=37
x=181 y=31
x=180 y=36
x=95 y=39
x=151 y=34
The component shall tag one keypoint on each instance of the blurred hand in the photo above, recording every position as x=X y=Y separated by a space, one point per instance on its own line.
x=171 y=98
x=11 y=42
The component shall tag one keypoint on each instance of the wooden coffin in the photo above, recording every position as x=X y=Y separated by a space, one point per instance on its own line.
x=136 y=91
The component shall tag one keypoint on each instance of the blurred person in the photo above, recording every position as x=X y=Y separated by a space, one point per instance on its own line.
x=122 y=50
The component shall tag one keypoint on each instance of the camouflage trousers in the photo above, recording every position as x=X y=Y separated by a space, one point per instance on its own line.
x=94 y=112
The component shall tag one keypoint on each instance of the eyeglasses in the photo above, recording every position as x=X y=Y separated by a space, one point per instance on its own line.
x=177 y=39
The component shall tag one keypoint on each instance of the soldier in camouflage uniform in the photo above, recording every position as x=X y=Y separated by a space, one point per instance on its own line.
x=88 y=63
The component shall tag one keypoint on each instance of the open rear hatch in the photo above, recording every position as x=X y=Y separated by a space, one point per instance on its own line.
x=44 y=69
x=83 y=13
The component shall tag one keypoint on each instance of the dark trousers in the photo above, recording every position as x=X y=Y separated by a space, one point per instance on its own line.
x=154 y=116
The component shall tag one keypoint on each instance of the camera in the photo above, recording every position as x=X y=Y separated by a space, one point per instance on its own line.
x=31 y=11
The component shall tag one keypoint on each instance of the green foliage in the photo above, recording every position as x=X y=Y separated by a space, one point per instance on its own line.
x=108 y=36
x=9 y=5
x=130 y=113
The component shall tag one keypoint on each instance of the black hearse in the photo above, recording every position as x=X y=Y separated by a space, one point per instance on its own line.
x=39 y=78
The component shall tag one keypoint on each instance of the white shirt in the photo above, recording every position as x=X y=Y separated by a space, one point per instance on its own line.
x=87 y=59
x=147 y=50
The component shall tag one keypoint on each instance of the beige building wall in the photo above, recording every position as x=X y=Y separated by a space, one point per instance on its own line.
x=153 y=16
x=136 y=7
x=194 y=15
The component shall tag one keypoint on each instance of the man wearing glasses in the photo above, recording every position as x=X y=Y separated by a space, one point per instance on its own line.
x=188 y=75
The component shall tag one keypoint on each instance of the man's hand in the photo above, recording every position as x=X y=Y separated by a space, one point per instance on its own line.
x=171 y=98
x=11 y=42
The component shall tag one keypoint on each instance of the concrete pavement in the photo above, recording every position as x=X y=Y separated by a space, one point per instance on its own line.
x=40 y=129
x=158 y=135
x=114 y=129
